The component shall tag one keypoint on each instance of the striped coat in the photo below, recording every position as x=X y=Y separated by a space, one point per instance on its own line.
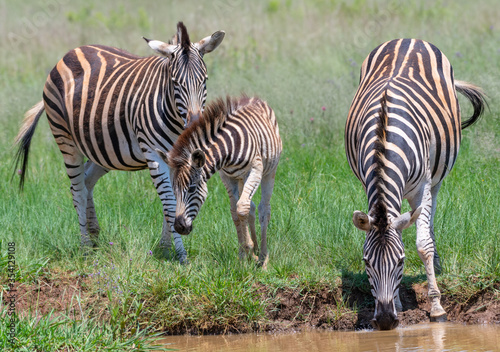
x=402 y=138
x=240 y=138
x=114 y=109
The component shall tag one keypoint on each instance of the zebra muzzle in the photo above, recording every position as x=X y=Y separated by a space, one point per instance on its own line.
x=385 y=318
x=181 y=226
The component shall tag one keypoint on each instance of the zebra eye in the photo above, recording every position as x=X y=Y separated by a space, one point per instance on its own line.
x=401 y=261
x=192 y=188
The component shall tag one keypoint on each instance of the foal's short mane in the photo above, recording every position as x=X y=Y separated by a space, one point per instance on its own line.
x=214 y=116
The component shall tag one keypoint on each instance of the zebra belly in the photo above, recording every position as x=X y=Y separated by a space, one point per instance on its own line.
x=236 y=172
x=120 y=154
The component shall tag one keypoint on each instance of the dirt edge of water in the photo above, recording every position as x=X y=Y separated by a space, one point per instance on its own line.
x=288 y=309
x=325 y=309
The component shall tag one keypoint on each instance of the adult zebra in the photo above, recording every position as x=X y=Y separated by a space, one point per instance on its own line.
x=239 y=137
x=402 y=138
x=116 y=109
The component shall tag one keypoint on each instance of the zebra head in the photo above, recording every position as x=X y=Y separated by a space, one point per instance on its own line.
x=383 y=254
x=189 y=186
x=188 y=71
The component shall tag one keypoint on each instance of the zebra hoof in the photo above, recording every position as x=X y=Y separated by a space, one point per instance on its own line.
x=262 y=263
x=440 y=318
x=183 y=260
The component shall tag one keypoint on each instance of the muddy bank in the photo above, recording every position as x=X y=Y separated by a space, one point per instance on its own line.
x=288 y=309
x=325 y=309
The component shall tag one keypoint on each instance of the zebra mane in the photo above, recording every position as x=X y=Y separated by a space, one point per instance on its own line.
x=214 y=116
x=217 y=111
x=379 y=211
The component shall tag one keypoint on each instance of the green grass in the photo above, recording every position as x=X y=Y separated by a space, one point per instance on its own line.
x=57 y=333
x=297 y=55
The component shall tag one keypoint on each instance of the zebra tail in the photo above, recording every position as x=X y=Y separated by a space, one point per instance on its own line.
x=477 y=98
x=23 y=139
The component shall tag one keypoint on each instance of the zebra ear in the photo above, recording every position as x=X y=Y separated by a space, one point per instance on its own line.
x=161 y=47
x=210 y=43
x=198 y=159
x=362 y=221
x=407 y=219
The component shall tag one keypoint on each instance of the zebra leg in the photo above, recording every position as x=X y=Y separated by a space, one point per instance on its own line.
x=266 y=186
x=93 y=173
x=244 y=238
x=76 y=173
x=233 y=187
x=425 y=248
x=243 y=206
x=166 y=239
x=159 y=172
x=166 y=242
x=437 y=259
x=251 y=224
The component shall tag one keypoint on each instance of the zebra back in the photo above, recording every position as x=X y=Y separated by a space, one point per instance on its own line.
x=231 y=132
x=416 y=81
x=108 y=101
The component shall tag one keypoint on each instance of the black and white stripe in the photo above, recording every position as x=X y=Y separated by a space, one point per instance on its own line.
x=115 y=109
x=239 y=137
x=402 y=138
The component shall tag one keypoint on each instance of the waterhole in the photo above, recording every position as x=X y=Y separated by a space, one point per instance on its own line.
x=416 y=338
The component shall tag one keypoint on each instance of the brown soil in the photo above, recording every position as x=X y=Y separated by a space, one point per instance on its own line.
x=324 y=309
x=289 y=310
x=66 y=294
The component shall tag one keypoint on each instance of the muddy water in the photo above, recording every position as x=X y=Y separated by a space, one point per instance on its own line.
x=417 y=338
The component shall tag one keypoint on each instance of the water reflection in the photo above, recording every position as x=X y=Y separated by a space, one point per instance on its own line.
x=418 y=338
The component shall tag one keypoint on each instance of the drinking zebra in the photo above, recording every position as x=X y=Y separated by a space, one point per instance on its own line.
x=115 y=109
x=402 y=138
x=239 y=137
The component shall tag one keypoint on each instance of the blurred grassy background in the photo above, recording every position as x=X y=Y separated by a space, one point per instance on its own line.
x=298 y=55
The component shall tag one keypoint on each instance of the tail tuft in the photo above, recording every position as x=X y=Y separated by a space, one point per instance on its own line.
x=477 y=98
x=23 y=140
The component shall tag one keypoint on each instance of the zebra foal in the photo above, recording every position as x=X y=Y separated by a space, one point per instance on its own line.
x=239 y=137
x=402 y=138
x=115 y=109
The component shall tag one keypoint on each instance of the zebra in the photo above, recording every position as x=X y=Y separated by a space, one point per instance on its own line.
x=402 y=137
x=240 y=137
x=114 y=109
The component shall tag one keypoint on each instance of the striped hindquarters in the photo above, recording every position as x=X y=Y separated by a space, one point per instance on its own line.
x=250 y=129
x=422 y=131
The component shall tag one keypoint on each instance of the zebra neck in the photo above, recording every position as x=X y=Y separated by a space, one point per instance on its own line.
x=384 y=200
x=214 y=160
